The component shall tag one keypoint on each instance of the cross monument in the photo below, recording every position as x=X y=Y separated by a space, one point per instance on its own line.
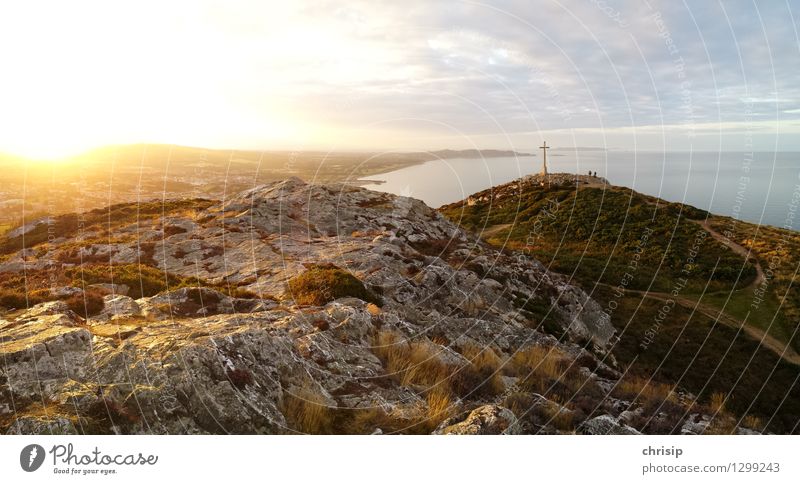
x=544 y=148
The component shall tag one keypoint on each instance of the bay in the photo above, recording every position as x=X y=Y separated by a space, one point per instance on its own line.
x=761 y=187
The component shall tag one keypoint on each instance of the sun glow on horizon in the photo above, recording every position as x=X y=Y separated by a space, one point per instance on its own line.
x=277 y=75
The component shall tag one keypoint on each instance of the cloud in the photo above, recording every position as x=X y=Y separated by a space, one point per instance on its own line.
x=371 y=74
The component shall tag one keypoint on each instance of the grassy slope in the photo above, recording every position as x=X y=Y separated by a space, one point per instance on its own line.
x=595 y=233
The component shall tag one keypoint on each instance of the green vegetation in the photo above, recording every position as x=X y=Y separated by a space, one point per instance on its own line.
x=779 y=294
x=23 y=290
x=142 y=280
x=600 y=235
x=596 y=234
x=692 y=352
x=322 y=283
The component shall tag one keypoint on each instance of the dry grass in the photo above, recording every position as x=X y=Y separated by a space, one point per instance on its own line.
x=644 y=390
x=411 y=362
x=543 y=361
x=308 y=412
x=440 y=407
x=717 y=403
x=485 y=366
x=722 y=422
x=537 y=367
x=752 y=422
x=559 y=416
x=414 y=418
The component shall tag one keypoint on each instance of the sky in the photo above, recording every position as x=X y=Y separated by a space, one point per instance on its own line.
x=410 y=75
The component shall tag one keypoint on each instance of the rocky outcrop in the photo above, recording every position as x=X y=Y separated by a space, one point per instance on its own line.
x=203 y=360
x=485 y=420
x=605 y=425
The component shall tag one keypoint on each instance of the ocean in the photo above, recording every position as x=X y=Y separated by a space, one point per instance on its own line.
x=760 y=187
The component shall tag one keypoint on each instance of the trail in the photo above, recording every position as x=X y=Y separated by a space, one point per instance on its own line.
x=738 y=249
x=494 y=230
x=781 y=349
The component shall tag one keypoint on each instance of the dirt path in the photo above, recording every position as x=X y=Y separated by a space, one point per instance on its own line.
x=781 y=349
x=494 y=230
x=773 y=344
x=738 y=249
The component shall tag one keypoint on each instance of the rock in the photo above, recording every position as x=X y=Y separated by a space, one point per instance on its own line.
x=485 y=420
x=119 y=306
x=696 y=424
x=605 y=425
x=65 y=317
x=65 y=291
x=42 y=426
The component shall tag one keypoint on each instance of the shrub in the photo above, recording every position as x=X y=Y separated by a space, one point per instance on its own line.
x=86 y=304
x=142 y=280
x=15 y=299
x=322 y=283
x=170 y=230
x=240 y=377
x=435 y=247
x=202 y=296
x=107 y=412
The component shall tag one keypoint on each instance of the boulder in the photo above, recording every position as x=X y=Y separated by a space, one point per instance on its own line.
x=485 y=420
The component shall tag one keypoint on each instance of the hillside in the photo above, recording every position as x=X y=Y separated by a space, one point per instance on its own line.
x=293 y=307
x=677 y=289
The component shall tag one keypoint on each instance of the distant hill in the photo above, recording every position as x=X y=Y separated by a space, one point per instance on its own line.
x=448 y=154
x=124 y=173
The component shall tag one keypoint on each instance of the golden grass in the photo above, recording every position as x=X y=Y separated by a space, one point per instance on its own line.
x=644 y=390
x=717 y=402
x=485 y=365
x=722 y=422
x=411 y=362
x=307 y=411
x=413 y=418
x=560 y=416
x=440 y=407
x=537 y=366
x=540 y=360
x=752 y=422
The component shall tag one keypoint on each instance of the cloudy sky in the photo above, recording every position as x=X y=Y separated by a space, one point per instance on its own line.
x=400 y=75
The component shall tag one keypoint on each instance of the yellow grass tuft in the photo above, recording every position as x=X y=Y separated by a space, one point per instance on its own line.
x=307 y=411
x=717 y=402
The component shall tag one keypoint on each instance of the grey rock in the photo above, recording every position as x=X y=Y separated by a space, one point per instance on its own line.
x=485 y=420
x=605 y=425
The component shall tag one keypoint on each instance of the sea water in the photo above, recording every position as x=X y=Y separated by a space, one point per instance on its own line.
x=761 y=187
